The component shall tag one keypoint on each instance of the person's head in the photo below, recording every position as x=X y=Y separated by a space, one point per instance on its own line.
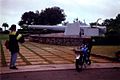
x=13 y=27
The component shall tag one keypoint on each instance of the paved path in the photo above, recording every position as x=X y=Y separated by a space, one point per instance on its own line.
x=33 y=54
x=41 y=54
x=50 y=67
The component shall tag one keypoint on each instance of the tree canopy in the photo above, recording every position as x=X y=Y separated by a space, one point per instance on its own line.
x=113 y=24
x=49 y=16
x=5 y=25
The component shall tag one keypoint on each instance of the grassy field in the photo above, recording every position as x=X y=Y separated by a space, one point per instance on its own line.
x=108 y=51
x=4 y=36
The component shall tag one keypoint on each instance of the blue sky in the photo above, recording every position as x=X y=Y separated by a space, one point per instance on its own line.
x=88 y=10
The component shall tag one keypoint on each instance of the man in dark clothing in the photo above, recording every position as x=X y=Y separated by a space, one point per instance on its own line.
x=13 y=45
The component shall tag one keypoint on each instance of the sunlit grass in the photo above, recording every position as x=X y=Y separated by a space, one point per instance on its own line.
x=4 y=36
x=2 y=55
x=105 y=50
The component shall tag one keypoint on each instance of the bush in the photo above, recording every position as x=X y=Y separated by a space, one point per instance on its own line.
x=108 y=40
x=5 y=32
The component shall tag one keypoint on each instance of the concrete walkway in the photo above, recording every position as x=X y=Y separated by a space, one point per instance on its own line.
x=57 y=67
x=37 y=57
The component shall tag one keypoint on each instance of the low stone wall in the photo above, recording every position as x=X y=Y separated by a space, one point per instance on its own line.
x=67 y=41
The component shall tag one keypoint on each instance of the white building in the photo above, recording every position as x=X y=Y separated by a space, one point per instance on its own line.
x=84 y=30
x=75 y=28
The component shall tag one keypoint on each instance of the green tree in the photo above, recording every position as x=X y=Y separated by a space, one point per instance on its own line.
x=113 y=25
x=22 y=24
x=28 y=18
x=118 y=22
x=5 y=25
x=52 y=16
x=49 y=16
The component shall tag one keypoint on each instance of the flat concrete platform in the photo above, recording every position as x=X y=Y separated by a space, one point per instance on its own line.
x=58 y=67
x=43 y=57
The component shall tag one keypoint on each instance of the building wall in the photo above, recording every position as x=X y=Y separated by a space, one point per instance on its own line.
x=72 y=29
x=85 y=31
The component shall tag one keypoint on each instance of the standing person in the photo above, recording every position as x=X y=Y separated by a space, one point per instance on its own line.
x=89 y=47
x=14 y=38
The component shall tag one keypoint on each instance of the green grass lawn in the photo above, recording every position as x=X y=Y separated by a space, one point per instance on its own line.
x=2 y=55
x=4 y=36
x=108 y=51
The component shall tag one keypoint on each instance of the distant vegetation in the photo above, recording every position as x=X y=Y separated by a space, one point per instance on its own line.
x=55 y=15
x=49 y=16
x=112 y=25
x=5 y=25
